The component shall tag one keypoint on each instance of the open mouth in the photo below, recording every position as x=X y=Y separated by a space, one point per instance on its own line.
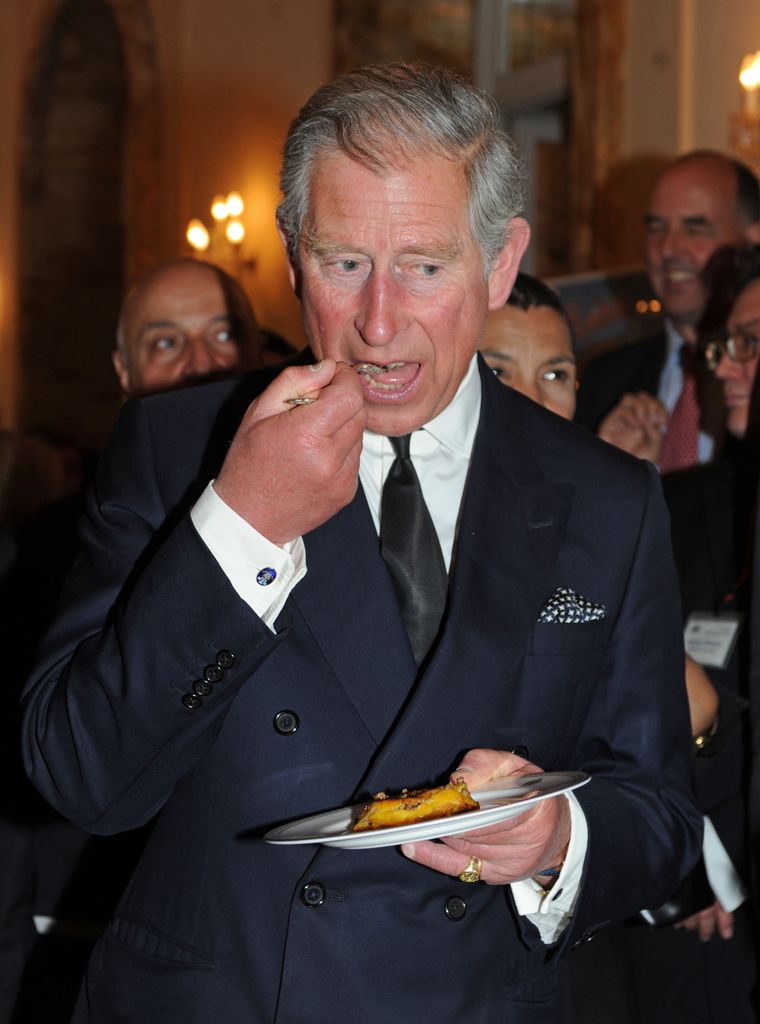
x=390 y=378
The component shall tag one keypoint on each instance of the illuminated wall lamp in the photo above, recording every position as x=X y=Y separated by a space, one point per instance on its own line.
x=223 y=244
x=745 y=125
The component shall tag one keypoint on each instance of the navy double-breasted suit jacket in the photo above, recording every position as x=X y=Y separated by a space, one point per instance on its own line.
x=216 y=925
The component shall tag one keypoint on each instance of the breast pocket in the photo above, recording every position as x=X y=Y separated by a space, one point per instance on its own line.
x=567 y=638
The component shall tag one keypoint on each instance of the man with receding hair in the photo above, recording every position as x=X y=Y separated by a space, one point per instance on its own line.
x=702 y=201
x=377 y=569
x=181 y=323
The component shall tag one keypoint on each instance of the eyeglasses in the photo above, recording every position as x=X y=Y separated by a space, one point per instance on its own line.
x=740 y=347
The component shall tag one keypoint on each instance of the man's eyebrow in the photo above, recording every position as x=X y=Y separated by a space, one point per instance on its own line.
x=494 y=353
x=152 y=324
x=446 y=251
x=698 y=221
x=569 y=358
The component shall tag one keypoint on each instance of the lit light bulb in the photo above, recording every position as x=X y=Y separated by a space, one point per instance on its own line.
x=235 y=232
x=235 y=205
x=197 y=235
x=219 y=209
x=749 y=79
x=749 y=73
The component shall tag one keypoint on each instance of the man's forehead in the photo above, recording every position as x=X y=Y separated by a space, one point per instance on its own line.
x=704 y=189
x=421 y=205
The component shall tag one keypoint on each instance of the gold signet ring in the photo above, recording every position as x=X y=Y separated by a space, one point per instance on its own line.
x=302 y=400
x=472 y=872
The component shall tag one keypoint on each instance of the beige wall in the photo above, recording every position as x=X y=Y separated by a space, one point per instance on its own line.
x=232 y=75
x=681 y=72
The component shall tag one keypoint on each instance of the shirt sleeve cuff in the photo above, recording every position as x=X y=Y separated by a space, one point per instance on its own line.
x=262 y=573
x=551 y=911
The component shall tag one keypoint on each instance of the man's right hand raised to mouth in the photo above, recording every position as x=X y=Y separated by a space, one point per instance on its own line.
x=290 y=468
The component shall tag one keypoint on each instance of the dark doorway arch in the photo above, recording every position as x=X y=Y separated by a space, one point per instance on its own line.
x=90 y=143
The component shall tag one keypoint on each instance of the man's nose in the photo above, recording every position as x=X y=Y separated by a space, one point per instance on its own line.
x=670 y=242
x=379 y=313
x=199 y=359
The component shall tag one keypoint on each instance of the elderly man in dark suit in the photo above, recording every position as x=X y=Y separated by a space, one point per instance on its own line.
x=655 y=398
x=278 y=611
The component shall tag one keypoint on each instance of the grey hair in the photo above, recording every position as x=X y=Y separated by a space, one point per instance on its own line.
x=385 y=115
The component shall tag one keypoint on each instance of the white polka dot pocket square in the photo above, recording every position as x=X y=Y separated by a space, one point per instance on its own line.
x=566 y=606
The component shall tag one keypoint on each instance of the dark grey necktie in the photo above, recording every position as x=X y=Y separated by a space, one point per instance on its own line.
x=412 y=552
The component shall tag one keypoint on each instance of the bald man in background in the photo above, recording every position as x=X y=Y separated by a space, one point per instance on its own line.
x=181 y=323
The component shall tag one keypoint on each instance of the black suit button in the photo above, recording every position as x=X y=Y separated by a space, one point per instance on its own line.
x=455 y=908
x=225 y=659
x=521 y=751
x=313 y=894
x=201 y=688
x=212 y=674
x=286 y=722
x=192 y=701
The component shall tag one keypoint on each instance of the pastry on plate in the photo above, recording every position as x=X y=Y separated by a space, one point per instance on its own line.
x=415 y=805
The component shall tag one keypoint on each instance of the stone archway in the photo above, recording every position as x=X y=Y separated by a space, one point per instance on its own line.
x=88 y=195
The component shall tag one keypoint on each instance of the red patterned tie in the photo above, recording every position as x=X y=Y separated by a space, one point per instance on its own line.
x=679 y=448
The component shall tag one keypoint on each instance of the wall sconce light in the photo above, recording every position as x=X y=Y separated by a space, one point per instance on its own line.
x=223 y=243
x=745 y=125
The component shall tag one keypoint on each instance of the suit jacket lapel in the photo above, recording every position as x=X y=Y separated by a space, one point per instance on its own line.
x=347 y=582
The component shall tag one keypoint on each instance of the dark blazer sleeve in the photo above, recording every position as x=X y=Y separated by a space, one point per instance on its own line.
x=107 y=730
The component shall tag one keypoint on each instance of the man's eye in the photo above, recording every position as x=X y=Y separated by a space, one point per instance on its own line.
x=501 y=372
x=560 y=375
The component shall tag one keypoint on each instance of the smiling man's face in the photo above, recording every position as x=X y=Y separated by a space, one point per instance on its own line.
x=390 y=276
x=692 y=213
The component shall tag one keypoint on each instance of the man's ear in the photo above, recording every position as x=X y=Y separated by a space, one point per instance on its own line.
x=121 y=372
x=293 y=272
x=507 y=263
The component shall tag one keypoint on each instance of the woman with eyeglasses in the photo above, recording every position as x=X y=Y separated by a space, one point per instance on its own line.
x=734 y=359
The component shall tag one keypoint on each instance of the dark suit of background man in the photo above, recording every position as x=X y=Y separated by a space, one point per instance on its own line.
x=232 y=655
x=701 y=202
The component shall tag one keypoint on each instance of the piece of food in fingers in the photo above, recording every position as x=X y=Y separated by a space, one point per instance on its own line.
x=415 y=805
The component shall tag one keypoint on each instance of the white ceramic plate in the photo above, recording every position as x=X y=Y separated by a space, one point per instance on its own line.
x=499 y=800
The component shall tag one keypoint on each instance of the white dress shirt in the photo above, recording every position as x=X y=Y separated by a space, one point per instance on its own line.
x=441 y=453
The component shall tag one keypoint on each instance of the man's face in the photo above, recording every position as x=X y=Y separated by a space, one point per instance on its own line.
x=739 y=378
x=531 y=350
x=389 y=275
x=693 y=212
x=178 y=328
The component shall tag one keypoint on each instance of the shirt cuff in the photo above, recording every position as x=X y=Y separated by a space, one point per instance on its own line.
x=551 y=911
x=723 y=877
x=262 y=573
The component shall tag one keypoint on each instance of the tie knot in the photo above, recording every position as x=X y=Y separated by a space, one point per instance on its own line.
x=400 y=445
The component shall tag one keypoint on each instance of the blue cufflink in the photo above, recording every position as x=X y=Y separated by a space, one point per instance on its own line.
x=266 y=576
